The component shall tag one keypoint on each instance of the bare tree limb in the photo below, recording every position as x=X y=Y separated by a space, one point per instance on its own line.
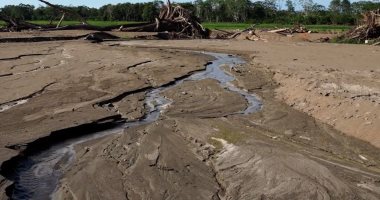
x=60 y=21
x=64 y=10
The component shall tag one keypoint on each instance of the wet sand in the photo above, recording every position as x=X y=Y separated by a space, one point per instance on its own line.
x=199 y=148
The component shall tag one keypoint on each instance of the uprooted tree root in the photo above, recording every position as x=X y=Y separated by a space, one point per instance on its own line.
x=173 y=22
x=368 y=30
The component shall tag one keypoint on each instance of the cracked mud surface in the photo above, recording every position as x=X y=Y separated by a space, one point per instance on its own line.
x=87 y=74
x=199 y=148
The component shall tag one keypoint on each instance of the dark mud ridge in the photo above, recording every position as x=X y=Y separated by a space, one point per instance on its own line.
x=8 y=105
x=11 y=169
x=37 y=170
x=94 y=37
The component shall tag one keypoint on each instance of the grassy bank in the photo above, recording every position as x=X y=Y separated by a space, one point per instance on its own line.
x=273 y=26
x=95 y=23
x=221 y=25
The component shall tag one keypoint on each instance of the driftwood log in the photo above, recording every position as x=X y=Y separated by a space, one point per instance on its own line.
x=289 y=31
x=233 y=35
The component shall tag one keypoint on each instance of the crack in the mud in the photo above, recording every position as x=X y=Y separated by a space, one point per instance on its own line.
x=24 y=55
x=34 y=94
x=238 y=164
x=222 y=189
x=145 y=62
x=144 y=89
x=138 y=64
x=32 y=70
x=42 y=39
x=123 y=95
x=35 y=62
x=365 y=95
x=5 y=75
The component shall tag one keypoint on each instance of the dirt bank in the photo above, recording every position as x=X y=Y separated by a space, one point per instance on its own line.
x=335 y=83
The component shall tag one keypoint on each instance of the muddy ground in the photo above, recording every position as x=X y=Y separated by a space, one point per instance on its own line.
x=316 y=136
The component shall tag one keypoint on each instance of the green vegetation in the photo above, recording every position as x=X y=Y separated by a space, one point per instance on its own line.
x=91 y=22
x=341 y=12
x=220 y=25
x=319 y=28
x=231 y=136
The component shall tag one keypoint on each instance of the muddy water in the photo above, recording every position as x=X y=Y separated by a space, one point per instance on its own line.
x=37 y=176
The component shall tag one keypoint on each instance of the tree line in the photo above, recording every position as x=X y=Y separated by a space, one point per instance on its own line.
x=265 y=11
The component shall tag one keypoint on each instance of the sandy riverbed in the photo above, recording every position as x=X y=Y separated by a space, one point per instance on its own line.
x=315 y=137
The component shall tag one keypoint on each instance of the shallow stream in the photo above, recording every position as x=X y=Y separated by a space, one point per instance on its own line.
x=37 y=176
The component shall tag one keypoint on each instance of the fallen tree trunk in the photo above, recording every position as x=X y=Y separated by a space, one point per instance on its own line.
x=233 y=35
x=164 y=36
x=278 y=30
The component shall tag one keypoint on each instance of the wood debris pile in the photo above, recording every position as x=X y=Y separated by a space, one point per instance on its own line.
x=233 y=34
x=369 y=29
x=173 y=22
x=290 y=31
x=246 y=34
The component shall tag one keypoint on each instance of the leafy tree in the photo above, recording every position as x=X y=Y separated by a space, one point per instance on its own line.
x=22 y=11
x=290 y=6
x=346 y=6
x=259 y=13
x=106 y=12
x=307 y=5
x=363 y=6
x=262 y=11
x=150 y=11
x=335 y=6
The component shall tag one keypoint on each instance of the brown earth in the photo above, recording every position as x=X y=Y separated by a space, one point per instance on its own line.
x=335 y=83
x=296 y=147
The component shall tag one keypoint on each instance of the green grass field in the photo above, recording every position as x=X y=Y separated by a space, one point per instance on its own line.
x=95 y=23
x=320 y=28
x=221 y=25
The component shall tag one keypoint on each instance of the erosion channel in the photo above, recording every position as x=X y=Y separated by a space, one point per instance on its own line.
x=37 y=174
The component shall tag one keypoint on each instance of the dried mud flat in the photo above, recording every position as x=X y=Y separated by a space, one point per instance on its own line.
x=299 y=145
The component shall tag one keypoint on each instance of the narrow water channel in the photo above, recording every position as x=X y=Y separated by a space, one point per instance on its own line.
x=37 y=176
